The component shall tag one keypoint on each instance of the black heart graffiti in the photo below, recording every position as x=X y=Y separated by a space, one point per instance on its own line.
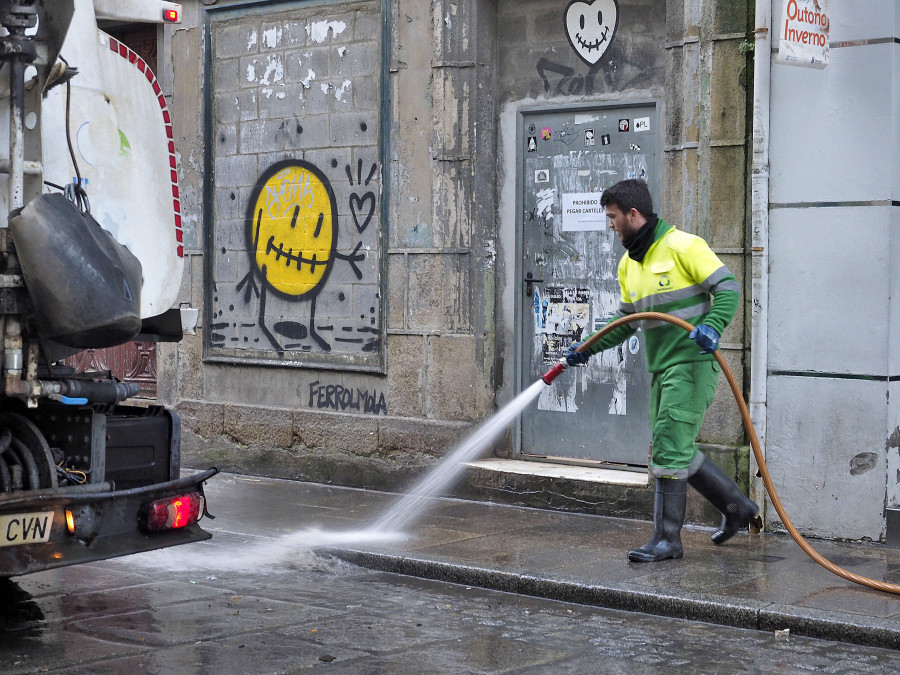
x=362 y=206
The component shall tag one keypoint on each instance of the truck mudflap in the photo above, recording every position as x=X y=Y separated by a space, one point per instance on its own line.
x=57 y=527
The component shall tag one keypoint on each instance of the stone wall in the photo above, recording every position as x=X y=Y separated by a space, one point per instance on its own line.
x=365 y=373
x=709 y=82
x=415 y=153
x=686 y=55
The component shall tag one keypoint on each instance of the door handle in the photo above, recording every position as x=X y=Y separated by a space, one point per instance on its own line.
x=529 y=283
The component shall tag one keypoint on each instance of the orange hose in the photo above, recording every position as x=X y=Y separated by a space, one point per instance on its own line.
x=757 y=451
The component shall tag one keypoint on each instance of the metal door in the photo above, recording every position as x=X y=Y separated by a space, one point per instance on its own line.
x=569 y=286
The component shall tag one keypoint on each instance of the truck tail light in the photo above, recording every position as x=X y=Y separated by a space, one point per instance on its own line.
x=174 y=512
x=170 y=16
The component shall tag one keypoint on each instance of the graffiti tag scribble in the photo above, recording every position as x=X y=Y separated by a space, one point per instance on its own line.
x=338 y=397
x=569 y=84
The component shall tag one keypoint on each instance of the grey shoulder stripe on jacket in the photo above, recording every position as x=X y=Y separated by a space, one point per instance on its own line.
x=720 y=278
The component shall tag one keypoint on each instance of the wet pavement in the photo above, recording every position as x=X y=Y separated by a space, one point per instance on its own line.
x=257 y=598
x=316 y=612
x=763 y=582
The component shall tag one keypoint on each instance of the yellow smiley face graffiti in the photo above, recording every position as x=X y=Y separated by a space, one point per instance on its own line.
x=292 y=227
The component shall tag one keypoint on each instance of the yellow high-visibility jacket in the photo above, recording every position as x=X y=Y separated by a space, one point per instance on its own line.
x=681 y=276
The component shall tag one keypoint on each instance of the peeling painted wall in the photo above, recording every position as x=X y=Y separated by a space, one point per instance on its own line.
x=294 y=147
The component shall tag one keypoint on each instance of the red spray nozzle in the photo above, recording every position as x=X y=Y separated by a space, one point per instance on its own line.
x=554 y=372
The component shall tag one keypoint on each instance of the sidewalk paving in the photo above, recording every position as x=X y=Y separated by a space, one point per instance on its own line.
x=764 y=582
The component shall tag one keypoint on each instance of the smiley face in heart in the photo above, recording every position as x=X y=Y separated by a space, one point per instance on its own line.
x=590 y=27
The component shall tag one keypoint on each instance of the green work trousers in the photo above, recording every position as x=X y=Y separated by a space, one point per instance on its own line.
x=679 y=398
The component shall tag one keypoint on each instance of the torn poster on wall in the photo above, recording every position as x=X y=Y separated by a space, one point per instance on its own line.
x=561 y=317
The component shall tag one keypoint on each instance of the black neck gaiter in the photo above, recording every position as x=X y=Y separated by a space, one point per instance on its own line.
x=640 y=242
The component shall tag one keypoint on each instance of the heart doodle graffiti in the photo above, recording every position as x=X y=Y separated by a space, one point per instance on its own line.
x=590 y=27
x=362 y=206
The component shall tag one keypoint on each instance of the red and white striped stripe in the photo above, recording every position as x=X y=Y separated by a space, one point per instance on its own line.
x=139 y=63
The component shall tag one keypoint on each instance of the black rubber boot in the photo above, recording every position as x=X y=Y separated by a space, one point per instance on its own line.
x=723 y=493
x=668 y=517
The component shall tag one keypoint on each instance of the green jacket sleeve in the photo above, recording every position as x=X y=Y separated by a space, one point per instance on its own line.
x=724 y=307
x=717 y=280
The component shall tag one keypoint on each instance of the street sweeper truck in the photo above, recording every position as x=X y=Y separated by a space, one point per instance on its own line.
x=90 y=257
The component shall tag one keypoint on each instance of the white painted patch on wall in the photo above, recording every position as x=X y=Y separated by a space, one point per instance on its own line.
x=343 y=89
x=609 y=361
x=272 y=37
x=307 y=81
x=251 y=40
x=560 y=397
x=318 y=30
x=490 y=255
x=251 y=72
x=341 y=51
x=325 y=86
x=274 y=69
x=545 y=201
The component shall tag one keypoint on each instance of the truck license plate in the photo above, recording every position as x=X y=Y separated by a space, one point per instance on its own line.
x=25 y=528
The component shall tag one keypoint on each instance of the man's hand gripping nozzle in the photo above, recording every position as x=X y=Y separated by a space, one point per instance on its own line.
x=576 y=355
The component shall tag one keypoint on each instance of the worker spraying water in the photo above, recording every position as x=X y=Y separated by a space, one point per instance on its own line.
x=666 y=270
x=665 y=277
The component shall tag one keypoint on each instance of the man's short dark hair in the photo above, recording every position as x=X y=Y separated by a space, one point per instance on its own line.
x=629 y=194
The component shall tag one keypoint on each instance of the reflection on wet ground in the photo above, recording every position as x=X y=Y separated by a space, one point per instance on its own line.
x=263 y=597
x=133 y=615
x=18 y=610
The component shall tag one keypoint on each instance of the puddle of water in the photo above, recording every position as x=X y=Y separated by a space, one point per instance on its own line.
x=292 y=549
